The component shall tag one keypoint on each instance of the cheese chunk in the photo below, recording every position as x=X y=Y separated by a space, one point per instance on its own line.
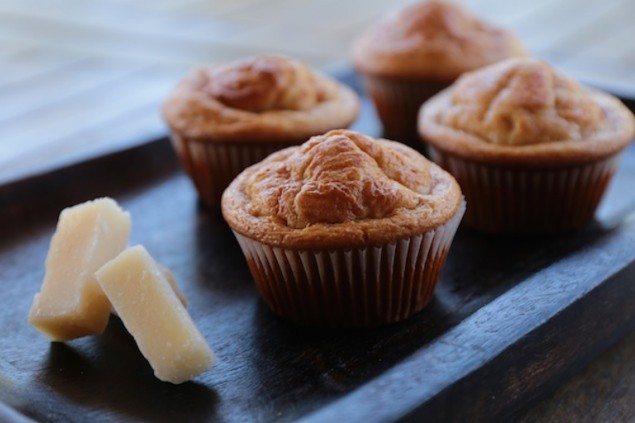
x=70 y=303
x=167 y=274
x=173 y=284
x=153 y=314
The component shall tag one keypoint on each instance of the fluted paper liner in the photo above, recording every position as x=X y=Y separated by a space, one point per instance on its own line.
x=521 y=200
x=361 y=287
x=398 y=101
x=213 y=165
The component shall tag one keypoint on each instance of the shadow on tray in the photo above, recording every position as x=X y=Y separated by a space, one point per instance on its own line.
x=113 y=375
x=334 y=361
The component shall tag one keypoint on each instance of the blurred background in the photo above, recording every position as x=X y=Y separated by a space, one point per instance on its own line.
x=79 y=78
x=82 y=77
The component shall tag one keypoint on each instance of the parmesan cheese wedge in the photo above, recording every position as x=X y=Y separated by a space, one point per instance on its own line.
x=154 y=315
x=70 y=303
x=167 y=273
x=169 y=276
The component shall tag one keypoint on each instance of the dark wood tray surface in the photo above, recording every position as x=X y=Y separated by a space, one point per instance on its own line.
x=511 y=317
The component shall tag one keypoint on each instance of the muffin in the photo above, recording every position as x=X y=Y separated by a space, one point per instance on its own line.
x=419 y=51
x=344 y=230
x=225 y=118
x=532 y=149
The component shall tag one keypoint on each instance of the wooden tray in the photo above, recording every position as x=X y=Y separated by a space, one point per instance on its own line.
x=511 y=317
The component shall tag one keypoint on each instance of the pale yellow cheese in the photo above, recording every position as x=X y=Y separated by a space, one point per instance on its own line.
x=153 y=314
x=167 y=273
x=70 y=303
x=173 y=284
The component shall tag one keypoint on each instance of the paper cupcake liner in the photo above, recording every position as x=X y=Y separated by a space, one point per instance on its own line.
x=528 y=200
x=213 y=165
x=362 y=287
x=397 y=102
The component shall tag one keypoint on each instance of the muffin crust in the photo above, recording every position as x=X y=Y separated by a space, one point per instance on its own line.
x=433 y=39
x=262 y=98
x=340 y=190
x=523 y=111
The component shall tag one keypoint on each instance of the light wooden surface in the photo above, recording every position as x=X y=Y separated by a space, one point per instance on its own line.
x=82 y=77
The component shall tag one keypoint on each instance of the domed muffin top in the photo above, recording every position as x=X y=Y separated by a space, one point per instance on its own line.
x=434 y=39
x=521 y=102
x=340 y=189
x=263 y=83
x=268 y=97
x=525 y=107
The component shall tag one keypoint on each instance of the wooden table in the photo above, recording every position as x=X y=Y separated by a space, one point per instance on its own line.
x=79 y=78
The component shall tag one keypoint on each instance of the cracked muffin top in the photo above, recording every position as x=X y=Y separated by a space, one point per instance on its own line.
x=265 y=97
x=433 y=39
x=340 y=189
x=523 y=109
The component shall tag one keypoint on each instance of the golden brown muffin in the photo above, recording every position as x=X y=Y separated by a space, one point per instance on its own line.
x=420 y=50
x=532 y=149
x=225 y=118
x=344 y=230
